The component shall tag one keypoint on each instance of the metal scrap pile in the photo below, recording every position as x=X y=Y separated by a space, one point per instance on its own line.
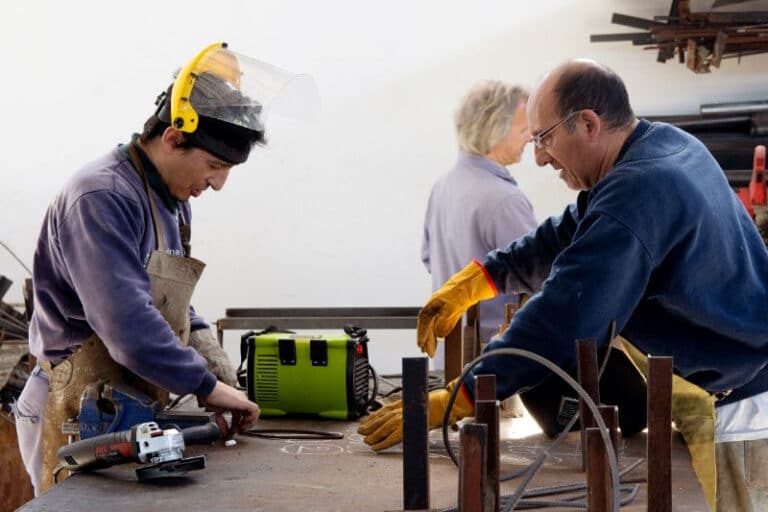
x=701 y=40
x=14 y=350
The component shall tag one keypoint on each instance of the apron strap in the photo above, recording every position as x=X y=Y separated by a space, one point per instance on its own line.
x=136 y=161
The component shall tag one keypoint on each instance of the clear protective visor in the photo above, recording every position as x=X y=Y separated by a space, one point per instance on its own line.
x=236 y=89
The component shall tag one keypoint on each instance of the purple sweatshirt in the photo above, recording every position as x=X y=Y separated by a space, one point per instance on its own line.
x=90 y=276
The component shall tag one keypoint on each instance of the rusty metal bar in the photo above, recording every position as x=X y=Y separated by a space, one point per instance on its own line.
x=473 y=320
x=349 y=312
x=415 y=433
x=472 y=467
x=509 y=312
x=317 y=322
x=453 y=357
x=610 y=415
x=485 y=387
x=487 y=413
x=469 y=345
x=29 y=301
x=586 y=353
x=599 y=488
x=659 y=447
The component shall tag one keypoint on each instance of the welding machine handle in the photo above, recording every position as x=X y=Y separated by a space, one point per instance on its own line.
x=241 y=372
x=201 y=434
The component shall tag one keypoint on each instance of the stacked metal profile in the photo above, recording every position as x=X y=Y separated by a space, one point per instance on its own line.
x=13 y=349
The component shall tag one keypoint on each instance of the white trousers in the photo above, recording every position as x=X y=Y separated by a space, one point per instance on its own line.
x=29 y=423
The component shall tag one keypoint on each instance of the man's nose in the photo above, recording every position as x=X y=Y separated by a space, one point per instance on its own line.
x=218 y=179
x=542 y=156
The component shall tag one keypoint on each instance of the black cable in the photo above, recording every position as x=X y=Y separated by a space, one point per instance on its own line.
x=574 y=385
x=566 y=430
x=16 y=258
x=291 y=433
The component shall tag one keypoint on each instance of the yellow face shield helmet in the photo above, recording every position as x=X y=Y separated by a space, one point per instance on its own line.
x=218 y=100
x=212 y=85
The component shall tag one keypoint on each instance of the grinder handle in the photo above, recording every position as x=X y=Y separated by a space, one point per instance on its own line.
x=99 y=451
x=201 y=434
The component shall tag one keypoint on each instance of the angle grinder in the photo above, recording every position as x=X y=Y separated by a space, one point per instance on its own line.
x=146 y=443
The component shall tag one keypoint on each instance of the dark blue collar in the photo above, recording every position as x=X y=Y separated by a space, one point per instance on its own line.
x=153 y=176
x=642 y=127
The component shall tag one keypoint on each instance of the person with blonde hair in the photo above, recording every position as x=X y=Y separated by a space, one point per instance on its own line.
x=477 y=205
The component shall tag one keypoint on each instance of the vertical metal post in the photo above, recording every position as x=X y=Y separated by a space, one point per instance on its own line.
x=487 y=413
x=599 y=488
x=485 y=387
x=220 y=334
x=29 y=298
x=509 y=312
x=470 y=345
x=586 y=353
x=453 y=357
x=659 y=434
x=610 y=415
x=415 y=433
x=472 y=467
x=473 y=322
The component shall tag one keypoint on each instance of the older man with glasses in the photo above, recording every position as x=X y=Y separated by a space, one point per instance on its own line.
x=658 y=243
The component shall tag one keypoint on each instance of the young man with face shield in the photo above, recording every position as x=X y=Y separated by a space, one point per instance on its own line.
x=113 y=275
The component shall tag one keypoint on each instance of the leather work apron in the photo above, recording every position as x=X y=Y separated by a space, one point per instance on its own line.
x=693 y=411
x=172 y=280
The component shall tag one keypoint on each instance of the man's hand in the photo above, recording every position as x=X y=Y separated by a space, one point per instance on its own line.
x=445 y=307
x=384 y=428
x=225 y=398
x=206 y=344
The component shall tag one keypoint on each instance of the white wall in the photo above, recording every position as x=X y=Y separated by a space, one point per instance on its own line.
x=331 y=216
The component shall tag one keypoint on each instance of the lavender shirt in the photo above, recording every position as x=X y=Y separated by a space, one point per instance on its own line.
x=474 y=208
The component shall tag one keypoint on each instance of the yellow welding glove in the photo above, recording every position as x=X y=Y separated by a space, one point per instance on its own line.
x=693 y=411
x=445 y=307
x=384 y=428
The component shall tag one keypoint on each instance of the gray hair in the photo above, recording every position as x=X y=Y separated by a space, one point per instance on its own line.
x=485 y=115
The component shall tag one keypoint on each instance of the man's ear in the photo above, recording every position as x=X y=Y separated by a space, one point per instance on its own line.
x=172 y=138
x=593 y=123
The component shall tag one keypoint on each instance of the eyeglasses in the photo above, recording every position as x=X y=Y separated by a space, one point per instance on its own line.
x=543 y=139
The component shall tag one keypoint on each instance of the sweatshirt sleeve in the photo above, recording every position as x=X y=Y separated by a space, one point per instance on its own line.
x=599 y=278
x=99 y=240
x=524 y=264
x=196 y=321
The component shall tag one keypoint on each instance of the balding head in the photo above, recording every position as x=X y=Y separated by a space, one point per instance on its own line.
x=580 y=116
x=582 y=84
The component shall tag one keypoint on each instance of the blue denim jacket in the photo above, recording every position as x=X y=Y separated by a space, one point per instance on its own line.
x=662 y=246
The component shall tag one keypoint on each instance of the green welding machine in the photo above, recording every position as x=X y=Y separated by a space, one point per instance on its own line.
x=323 y=375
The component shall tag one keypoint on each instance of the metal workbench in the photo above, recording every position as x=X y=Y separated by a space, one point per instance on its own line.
x=343 y=475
